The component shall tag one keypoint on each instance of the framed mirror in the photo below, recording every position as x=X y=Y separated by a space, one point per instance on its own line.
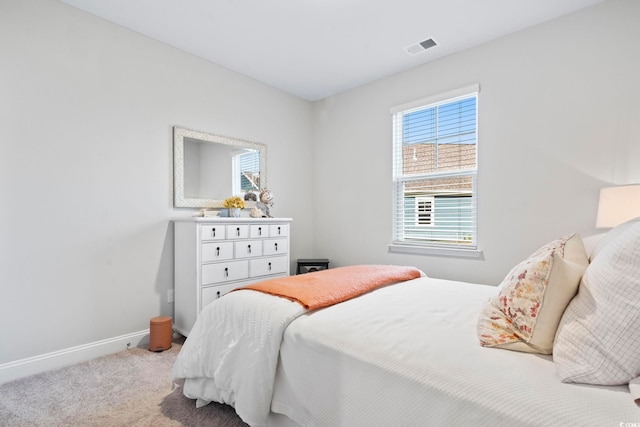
x=208 y=168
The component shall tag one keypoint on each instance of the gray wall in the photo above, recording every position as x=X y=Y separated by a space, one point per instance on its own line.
x=86 y=116
x=558 y=119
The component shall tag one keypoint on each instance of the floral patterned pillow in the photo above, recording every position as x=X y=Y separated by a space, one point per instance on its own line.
x=525 y=313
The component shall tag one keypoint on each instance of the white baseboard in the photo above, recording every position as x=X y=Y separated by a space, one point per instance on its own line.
x=59 y=359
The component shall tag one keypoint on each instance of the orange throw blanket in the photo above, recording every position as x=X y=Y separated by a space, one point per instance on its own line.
x=327 y=287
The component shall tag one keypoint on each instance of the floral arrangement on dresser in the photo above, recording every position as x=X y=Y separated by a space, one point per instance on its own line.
x=233 y=202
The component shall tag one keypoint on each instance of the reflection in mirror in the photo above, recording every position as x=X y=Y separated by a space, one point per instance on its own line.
x=209 y=168
x=237 y=170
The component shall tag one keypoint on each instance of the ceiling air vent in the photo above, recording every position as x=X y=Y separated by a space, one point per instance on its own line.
x=420 y=47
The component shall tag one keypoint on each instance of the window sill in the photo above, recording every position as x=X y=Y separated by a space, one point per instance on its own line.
x=434 y=251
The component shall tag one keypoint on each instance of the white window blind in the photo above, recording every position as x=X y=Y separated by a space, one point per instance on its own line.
x=434 y=172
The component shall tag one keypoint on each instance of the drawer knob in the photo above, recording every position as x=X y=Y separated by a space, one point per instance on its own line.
x=249 y=248
x=269 y=266
x=259 y=231
x=218 y=251
x=226 y=272
x=276 y=245
x=238 y=231
x=213 y=232
x=278 y=231
x=218 y=294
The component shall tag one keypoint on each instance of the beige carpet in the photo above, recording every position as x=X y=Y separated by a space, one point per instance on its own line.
x=130 y=388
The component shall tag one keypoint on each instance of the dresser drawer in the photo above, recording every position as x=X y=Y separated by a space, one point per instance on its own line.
x=211 y=293
x=224 y=272
x=217 y=251
x=278 y=230
x=266 y=266
x=275 y=246
x=257 y=230
x=239 y=231
x=213 y=232
x=248 y=248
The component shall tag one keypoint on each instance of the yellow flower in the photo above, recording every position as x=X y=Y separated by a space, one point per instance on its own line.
x=233 y=202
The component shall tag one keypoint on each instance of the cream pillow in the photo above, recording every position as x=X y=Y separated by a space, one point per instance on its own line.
x=598 y=340
x=526 y=311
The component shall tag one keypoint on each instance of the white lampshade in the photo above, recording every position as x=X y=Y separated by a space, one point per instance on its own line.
x=618 y=205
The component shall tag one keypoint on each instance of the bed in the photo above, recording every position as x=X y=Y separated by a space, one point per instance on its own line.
x=405 y=353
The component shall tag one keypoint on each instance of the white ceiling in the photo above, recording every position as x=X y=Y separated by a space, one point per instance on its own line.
x=317 y=48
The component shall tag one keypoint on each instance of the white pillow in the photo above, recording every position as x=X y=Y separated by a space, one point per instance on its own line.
x=598 y=339
x=611 y=236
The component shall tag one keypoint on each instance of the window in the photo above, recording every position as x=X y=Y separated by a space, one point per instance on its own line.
x=245 y=171
x=434 y=172
x=424 y=210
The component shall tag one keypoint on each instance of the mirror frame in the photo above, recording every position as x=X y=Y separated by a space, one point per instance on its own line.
x=179 y=134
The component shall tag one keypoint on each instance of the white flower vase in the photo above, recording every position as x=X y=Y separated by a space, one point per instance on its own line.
x=234 y=212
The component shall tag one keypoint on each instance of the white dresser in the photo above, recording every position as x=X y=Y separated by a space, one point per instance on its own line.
x=216 y=255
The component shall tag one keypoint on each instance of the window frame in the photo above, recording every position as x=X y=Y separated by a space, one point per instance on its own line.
x=412 y=246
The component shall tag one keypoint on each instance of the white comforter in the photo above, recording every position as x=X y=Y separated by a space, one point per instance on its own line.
x=404 y=355
x=232 y=352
